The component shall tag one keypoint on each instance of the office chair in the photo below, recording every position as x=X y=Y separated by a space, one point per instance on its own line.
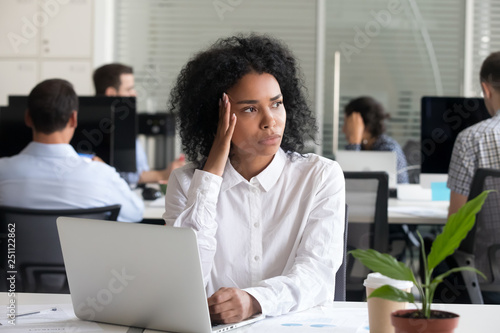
x=367 y=195
x=481 y=247
x=340 y=277
x=412 y=152
x=39 y=264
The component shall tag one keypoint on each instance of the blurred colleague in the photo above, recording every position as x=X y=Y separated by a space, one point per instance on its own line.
x=364 y=129
x=477 y=146
x=49 y=173
x=118 y=80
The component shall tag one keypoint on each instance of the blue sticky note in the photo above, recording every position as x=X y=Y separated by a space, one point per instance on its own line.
x=439 y=191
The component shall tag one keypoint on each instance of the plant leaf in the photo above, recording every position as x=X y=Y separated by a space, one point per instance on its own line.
x=455 y=230
x=384 y=264
x=393 y=294
x=438 y=279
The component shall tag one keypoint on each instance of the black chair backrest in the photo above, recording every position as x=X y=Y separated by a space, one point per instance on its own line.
x=367 y=194
x=483 y=180
x=380 y=238
x=340 y=277
x=39 y=264
x=486 y=230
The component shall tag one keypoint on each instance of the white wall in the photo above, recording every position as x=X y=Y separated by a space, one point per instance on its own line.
x=41 y=39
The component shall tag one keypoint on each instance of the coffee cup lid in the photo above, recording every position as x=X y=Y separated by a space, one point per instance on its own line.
x=376 y=280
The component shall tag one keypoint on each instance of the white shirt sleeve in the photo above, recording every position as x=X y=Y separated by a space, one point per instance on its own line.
x=191 y=203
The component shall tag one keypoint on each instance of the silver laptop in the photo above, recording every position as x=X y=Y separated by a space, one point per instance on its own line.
x=137 y=275
x=365 y=160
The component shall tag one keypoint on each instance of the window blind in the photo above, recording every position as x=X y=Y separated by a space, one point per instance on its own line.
x=158 y=37
x=396 y=54
x=486 y=37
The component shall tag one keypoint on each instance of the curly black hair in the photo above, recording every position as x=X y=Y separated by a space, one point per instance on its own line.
x=195 y=98
x=371 y=111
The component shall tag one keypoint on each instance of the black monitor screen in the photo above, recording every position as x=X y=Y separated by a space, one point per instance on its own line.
x=14 y=134
x=443 y=118
x=106 y=128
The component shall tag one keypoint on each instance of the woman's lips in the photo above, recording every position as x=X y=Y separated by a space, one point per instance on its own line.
x=271 y=140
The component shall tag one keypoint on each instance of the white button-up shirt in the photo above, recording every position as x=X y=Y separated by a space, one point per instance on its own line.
x=278 y=236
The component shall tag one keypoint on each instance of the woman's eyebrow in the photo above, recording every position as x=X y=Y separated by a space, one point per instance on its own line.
x=254 y=101
x=276 y=97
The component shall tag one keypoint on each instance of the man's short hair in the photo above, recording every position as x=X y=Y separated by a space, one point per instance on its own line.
x=490 y=70
x=51 y=104
x=109 y=76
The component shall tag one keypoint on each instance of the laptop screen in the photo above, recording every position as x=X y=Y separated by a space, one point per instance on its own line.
x=350 y=160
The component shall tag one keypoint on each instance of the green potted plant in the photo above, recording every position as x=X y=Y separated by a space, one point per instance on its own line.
x=445 y=244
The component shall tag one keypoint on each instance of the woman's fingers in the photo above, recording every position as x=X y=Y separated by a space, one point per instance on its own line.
x=225 y=118
x=232 y=125
x=221 y=146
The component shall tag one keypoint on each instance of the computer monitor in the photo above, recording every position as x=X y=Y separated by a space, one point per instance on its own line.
x=442 y=119
x=107 y=127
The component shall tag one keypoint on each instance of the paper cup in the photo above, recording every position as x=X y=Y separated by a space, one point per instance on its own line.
x=379 y=310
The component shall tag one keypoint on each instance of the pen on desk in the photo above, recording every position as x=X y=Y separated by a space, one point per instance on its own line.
x=36 y=312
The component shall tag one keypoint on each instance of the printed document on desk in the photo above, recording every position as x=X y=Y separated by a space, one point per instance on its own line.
x=316 y=320
x=37 y=318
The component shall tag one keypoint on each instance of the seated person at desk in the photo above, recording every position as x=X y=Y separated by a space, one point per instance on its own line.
x=49 y=174
x=118 y=80
x=478 y=146
x=269 y=220
x=364 y=130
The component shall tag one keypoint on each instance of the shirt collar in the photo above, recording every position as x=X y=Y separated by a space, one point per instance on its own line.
x=49 y=150
x=267 y=178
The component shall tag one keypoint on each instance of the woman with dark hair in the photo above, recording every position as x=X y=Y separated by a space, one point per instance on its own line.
x=364 y=129
x=269 y=220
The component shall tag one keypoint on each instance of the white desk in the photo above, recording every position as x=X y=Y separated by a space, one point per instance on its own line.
x=346 y=316
x=417 y=212
x=153 y=210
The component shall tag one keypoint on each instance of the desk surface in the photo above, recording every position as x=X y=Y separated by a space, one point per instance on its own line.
x=347 y=316
x=400 y=212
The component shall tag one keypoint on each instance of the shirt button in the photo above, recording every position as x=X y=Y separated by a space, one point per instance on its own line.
x=256 y=224
x=256 y=258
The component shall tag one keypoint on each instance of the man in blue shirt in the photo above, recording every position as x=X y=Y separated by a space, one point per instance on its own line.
x=118 y=80
x=49 y=174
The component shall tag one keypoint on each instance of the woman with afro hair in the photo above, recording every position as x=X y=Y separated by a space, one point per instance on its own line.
x=269 y=220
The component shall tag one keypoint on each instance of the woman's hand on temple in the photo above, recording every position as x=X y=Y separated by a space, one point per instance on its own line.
x=354 y=128
x=219 y=152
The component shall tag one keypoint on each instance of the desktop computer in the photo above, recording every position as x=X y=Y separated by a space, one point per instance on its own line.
x=442 y=119
x=107 y=128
